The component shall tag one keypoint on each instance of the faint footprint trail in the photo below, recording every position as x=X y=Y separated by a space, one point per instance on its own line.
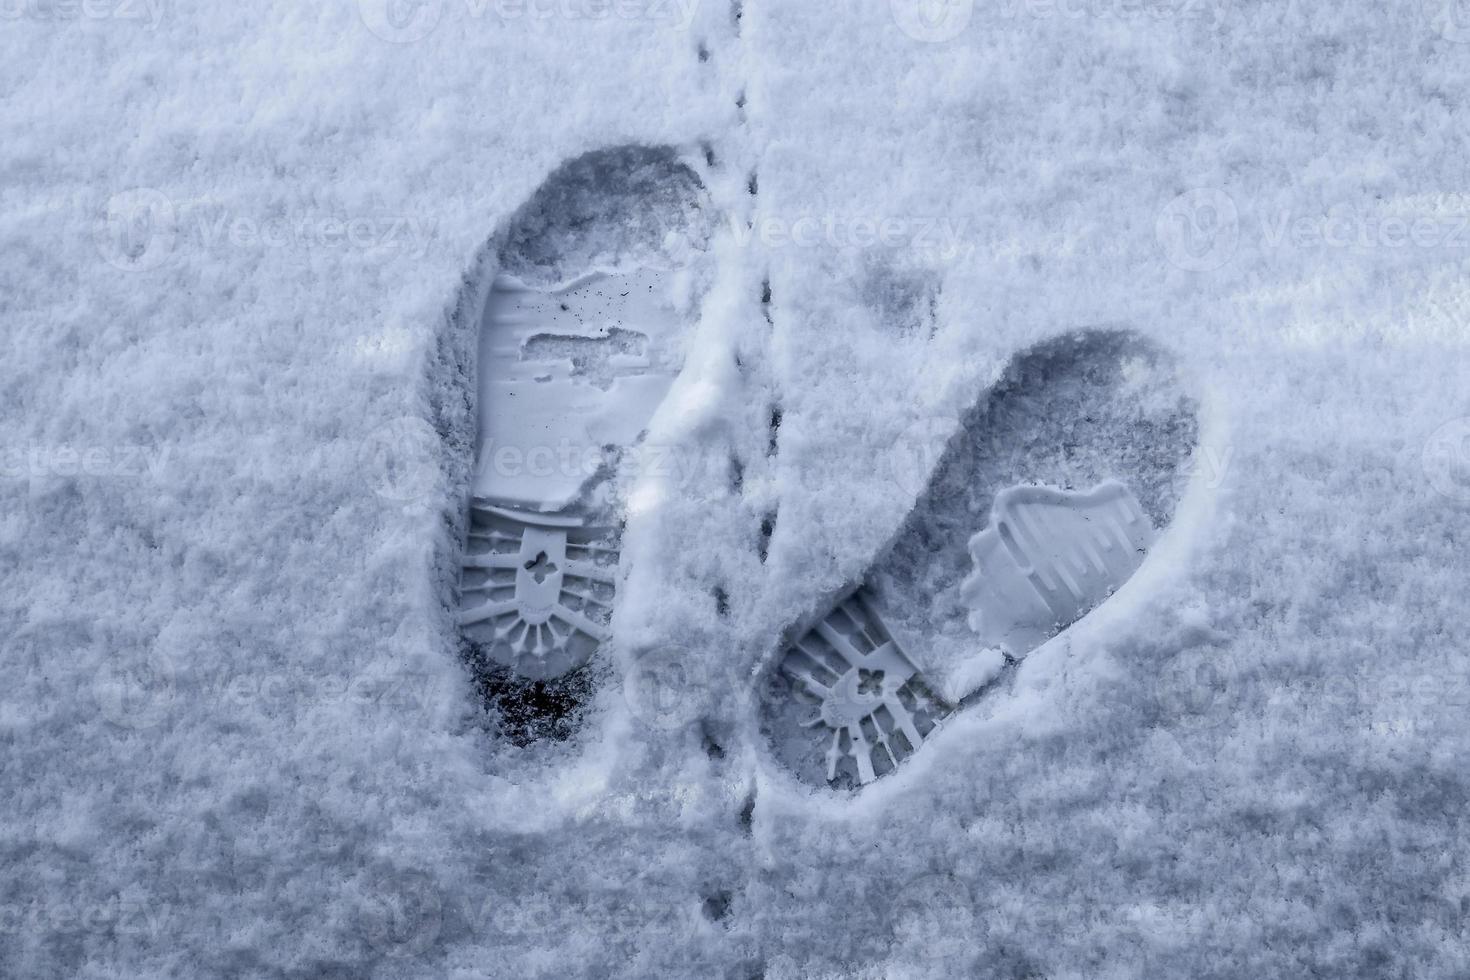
x=753 y=418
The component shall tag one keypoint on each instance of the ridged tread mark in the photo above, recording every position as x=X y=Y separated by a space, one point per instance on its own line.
x=868 y=700
x=768 y=529
x=716 y=905
x=713 y=746
x=774 y=417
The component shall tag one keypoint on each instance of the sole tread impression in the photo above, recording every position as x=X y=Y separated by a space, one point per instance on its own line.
x=581 y=339
x=1045 y=502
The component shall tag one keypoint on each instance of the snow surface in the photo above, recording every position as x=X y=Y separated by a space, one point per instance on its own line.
x=238 y=739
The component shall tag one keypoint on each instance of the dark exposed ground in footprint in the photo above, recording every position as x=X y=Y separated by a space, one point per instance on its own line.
x=523 y=711
x=1068 y=413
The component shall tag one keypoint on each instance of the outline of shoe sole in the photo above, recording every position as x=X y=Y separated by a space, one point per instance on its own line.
x=902 y=683
x=539 y=566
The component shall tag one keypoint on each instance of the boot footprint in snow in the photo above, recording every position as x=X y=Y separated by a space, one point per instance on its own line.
x=1046 y=500
x=581 y=339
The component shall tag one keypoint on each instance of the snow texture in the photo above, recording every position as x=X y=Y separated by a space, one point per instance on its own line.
x=246 y=248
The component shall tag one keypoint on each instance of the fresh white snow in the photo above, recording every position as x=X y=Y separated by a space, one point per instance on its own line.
x=246 y=248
